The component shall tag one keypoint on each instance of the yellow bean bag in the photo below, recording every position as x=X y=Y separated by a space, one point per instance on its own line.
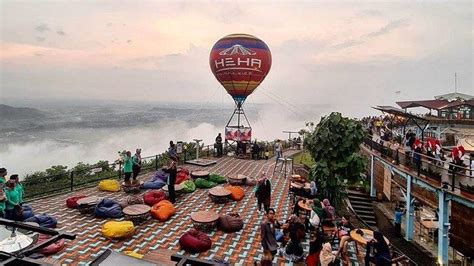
x=113 y=229
x=109 y=185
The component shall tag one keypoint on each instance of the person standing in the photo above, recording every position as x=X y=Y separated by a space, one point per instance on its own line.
x=398 y=220
x=3 y=174
x=12 y=206
x=127 y=166
x=219 y=145
x=278 y=150
x=381 y=254
x=172 y=171
x=172 y=153
x=267 y=233
x=263 y=193
x=18 y=187
x=137 y=163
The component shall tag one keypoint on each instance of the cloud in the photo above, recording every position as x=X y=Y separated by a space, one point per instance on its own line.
x=40 y=39
x=348 y=43
x=42 y=28
x=391 y=26
x=60 y=32
x=369 y=13
x=129 y=41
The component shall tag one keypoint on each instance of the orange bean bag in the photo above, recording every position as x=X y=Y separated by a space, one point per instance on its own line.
x=153 y=197
x=237 y=193
x=163 y=210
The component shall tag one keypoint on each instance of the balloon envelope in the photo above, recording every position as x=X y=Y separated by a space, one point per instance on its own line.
x=240 y=62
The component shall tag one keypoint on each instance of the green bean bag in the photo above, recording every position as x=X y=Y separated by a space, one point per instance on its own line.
x=217 y=178
x=188 y=186
x=203 y=183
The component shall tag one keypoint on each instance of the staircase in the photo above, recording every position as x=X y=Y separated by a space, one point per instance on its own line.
x=362 y=205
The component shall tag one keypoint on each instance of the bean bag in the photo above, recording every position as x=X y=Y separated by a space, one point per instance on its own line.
x=151 y=198
x=237 y=193
x=109 y=185
x=181 y=177
x=203 y=183
x=108 y=208
x=183 y=170
x=72 y=201
x=230 y=223
x=217 y=178
x=163 y=210
x=188 y=186
x=113 y=229
x=52 y=248
x=157 y=184
x=27 y=211
x=43 y=220
x=195 y=241
x=160 y=175
x=131 y=200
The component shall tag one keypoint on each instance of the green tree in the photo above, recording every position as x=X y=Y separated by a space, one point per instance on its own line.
x=56 y=172
x=334 y=146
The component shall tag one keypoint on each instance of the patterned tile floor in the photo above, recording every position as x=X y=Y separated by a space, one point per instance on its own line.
x=238 y=248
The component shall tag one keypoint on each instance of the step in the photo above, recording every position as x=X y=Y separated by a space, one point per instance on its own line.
x=366 y=217
x=371 y=223
x=361 y=203
x=356 y=192
x=361 y=198
x=362 y=207
x=364 y=212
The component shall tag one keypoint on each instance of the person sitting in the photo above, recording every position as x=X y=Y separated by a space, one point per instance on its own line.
x=381 y=255
x=327 y=257
x=344 y=230
x=315 y=246
x=329 y=213
x=313 y=190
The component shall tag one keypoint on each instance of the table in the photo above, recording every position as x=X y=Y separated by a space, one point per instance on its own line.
x=430 y=225
x=200 y=174
x=204 y=220
x=177 y=188
x=137 y=213
x=363 y=239
x=219 y=194
x=297 y=185
x=132 y=187
x=238 y=180
x=160 y=256
x=87 y=205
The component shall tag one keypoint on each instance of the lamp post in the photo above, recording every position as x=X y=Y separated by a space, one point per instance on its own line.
x=197 y=147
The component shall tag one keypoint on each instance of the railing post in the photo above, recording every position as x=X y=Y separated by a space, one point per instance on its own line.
x=156 y=162
x=120 y=171
x=454 y=178
x=418 y=165
x=372 y=179
x=443 y=228
x=409 y=211
x=71 y=176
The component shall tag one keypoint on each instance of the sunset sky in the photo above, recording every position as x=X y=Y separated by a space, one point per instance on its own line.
x=327 y=52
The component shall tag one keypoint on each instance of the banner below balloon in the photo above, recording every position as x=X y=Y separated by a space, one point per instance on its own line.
x=240 y=62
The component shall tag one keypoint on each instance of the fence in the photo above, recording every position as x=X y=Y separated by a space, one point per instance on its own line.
x=442 y=172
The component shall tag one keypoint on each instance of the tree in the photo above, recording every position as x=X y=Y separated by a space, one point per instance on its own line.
x=334 y=146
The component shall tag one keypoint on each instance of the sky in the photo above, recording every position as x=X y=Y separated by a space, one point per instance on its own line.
x=352 y=55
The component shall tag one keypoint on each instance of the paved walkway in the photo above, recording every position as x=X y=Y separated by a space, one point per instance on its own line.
x=238 y=248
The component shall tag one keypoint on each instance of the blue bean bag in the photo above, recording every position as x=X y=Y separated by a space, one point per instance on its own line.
x=157 y=184
x=43 y=220
x=160 y=175
x=108 y=208
x=27 y=211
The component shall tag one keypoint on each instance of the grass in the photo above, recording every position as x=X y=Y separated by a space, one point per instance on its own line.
x=303 y=158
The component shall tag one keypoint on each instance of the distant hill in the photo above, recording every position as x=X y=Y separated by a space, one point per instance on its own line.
x=13 y=113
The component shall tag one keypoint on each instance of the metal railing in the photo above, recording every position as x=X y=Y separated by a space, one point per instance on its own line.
x=440 y=171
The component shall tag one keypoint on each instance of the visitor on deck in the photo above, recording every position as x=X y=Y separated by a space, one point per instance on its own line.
x=18 y=187
x=381 y=252
x=127 y=165
x=172 y=152
x=344 y=233
x=315 y=247
x=264 y=192
x=399 y=212
x=3 y=177
x=172 y=171
x=316 y=215
x=137 y=163
x=219 y=145
x=329 y=213
x=267 y=233
x=255 y=151
x=278 y=149
x=12 y=206
x=313 y=189
x=296 y=231
x=327 y=257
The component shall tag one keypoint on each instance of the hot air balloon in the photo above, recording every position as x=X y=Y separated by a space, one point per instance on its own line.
x=240 y=62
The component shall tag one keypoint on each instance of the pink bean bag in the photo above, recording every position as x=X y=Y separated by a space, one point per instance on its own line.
x=72 y=201
x=153 y=197
x=195 y=241
x=51 y=249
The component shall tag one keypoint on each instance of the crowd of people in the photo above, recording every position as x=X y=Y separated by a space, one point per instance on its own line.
x=11 y=196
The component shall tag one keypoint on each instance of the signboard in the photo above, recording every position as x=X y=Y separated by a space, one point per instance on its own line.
x=238 y=134
x=179 y=147
x=387 y=183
